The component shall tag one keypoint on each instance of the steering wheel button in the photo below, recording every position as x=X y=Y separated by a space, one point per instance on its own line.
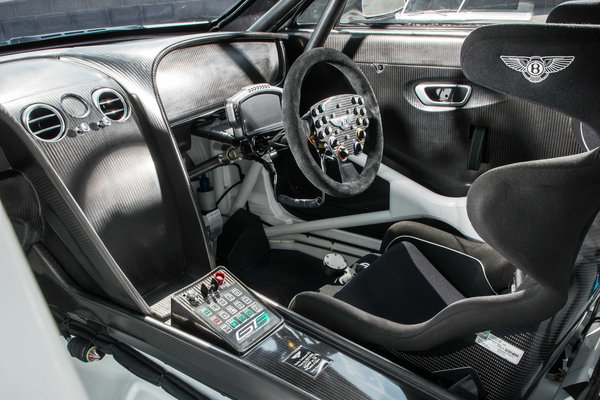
x=358 y=147
x=333 y=142
x=343 y=153
x=360 y=134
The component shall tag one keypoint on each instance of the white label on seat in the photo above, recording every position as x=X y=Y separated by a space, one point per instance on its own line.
x=499 y=347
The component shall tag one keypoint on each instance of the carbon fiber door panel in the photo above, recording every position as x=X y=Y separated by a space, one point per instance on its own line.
x=431 y=144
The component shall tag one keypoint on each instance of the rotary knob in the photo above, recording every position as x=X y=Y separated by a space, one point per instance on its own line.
x=363 y=111
x=83 y=128
x=320 y=108
x=192 y=297
x=314 y=112
x=358 y=147
x=343 y=153
x=104 y=122
x=333 y=142
x=318 y=124
x=361 y=134
x=360 y=101
x=321 y=135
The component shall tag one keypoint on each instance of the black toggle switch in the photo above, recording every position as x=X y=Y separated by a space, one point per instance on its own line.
x=204 y=290
x=214 y=285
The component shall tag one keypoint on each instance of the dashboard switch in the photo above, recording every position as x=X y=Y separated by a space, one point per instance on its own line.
x=204 y=290
x=82 y=128
x=214 y=284
x=220 y=277
x=104 y=122
x=192 y=297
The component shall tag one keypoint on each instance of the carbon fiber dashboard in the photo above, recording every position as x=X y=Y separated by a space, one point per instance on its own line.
x=118 y=196
x=190 y=80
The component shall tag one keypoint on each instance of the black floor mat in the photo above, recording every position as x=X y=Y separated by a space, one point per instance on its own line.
x=283 y=274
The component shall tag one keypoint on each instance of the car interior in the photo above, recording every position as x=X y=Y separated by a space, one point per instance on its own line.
x=279 y=208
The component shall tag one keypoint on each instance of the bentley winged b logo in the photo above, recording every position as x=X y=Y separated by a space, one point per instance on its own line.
x=535 y=68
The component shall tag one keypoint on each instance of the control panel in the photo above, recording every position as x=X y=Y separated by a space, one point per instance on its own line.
x=339 y=125
x=220 y=304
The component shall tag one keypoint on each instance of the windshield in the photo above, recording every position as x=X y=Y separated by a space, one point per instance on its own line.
x=30 y=20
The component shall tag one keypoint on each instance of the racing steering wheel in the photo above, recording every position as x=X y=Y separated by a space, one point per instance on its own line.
x=336 y=127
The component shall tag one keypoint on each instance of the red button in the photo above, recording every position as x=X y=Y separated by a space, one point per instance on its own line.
x=216 y=320
x=220 y=277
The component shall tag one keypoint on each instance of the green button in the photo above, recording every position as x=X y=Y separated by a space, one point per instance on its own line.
x=249 y=313
x=207 y=312
x=242 y=318
x=234 y=324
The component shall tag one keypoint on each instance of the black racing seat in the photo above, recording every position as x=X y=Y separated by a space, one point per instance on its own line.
x=433 y=299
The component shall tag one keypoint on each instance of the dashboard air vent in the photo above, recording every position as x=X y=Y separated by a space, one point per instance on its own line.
x=111 y=104
x=44 y=122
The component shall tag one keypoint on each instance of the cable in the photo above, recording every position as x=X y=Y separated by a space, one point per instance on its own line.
x=227 y=191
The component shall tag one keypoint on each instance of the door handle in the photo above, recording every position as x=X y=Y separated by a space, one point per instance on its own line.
x=443 y=94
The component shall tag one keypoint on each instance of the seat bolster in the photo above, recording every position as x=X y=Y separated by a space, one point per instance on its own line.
x=468 y=316
x=498 y=270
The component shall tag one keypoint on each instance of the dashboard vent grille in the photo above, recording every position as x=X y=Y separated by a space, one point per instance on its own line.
x=44 y=122
x=111 y=104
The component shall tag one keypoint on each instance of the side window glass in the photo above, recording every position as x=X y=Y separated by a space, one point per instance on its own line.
x=434 y=12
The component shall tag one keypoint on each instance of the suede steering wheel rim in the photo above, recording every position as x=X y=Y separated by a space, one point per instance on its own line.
x=298 y=129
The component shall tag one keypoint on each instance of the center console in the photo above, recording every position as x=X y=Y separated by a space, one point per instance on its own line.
x=220 y=305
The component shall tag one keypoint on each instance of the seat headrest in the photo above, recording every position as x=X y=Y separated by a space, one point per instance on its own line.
x=555 y=65
x=575 y=12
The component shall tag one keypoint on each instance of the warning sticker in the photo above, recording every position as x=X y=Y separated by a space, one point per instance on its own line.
x=307 y=361
x=499 y=347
